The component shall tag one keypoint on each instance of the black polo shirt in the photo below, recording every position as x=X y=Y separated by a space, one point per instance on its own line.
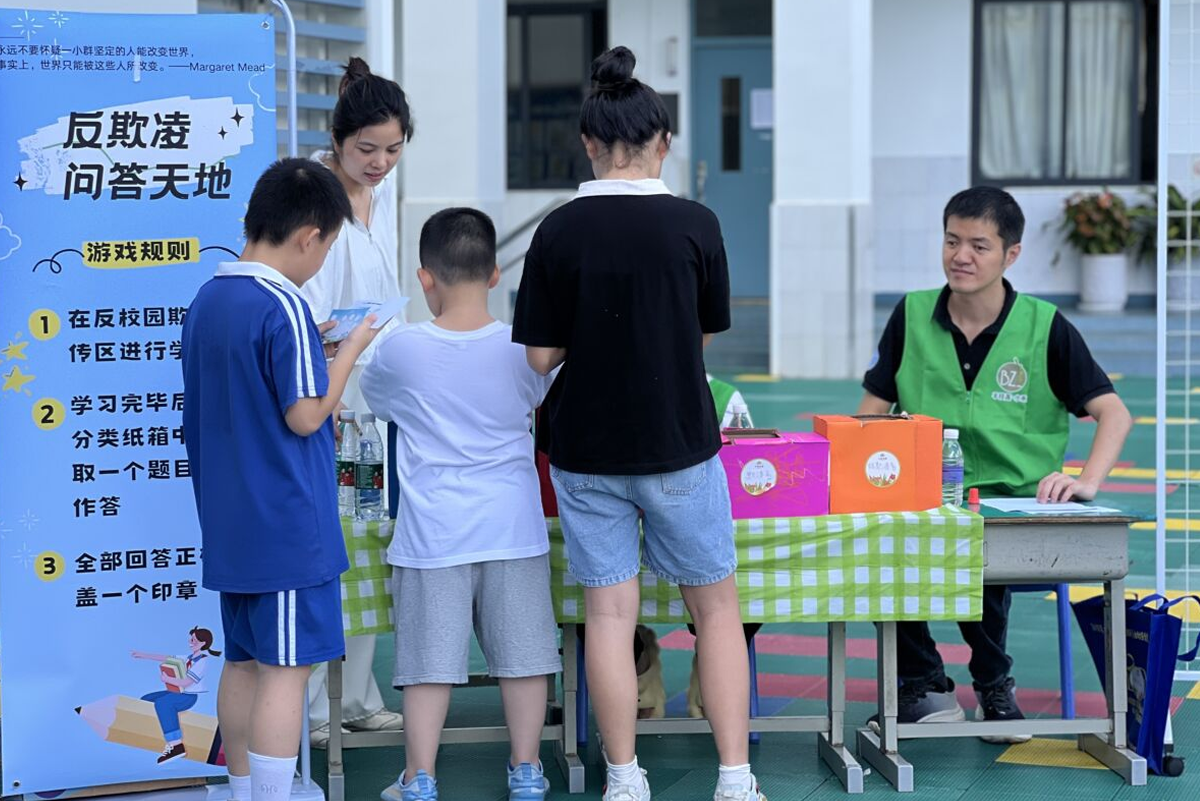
x=628 y=279
x=1075 y=377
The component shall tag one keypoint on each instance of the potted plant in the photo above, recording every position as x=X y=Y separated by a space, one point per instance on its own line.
x=1183 y=231
x=1100 y=227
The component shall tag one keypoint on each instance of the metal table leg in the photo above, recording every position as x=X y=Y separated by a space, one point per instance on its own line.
x=832 y=747
x=333 y=753
x=1114 y=751
x=882 y=750
x=567 y=751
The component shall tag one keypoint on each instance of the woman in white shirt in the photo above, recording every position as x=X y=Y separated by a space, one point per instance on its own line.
x=371 y=123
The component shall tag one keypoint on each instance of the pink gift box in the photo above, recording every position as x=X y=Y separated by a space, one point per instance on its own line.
x=776 y=473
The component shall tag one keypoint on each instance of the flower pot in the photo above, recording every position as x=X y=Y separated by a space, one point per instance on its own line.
x=1103 y=286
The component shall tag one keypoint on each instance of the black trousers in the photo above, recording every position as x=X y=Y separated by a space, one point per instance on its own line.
x=919 y=661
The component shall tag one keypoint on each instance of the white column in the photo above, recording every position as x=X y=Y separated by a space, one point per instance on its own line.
x=452 y=69
x=380 y=24
x=821 y=324
x=659 y=34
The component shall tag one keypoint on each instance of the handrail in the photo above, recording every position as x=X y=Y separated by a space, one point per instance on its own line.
x=536 y=218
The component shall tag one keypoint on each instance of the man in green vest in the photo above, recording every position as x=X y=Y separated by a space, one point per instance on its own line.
x=1006 y=370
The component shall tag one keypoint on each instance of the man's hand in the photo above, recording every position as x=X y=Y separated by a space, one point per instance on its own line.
x=1112 y=426
x=1060 y=488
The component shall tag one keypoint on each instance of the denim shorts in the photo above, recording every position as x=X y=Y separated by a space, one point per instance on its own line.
x=687 y=525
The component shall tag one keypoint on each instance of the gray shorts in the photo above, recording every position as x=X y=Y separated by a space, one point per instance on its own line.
x=507 y=602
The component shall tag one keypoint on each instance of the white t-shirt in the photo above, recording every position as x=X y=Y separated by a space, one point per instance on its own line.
x=463 y=402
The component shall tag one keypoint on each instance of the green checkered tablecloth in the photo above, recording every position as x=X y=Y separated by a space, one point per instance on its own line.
x=861 y=567
x=367 y=586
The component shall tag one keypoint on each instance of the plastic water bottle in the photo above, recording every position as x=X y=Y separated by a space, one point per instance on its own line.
x=368 y=472
x=739 y=415
x=952 y=468
x=347 y=455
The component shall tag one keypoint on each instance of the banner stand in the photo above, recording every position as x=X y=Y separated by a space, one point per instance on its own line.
x=304 y=789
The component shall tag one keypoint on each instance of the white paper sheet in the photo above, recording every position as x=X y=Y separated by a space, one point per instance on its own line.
x=348 y=318
x=1031 y=506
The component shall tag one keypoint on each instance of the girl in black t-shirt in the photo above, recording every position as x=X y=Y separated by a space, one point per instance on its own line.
x=622 y=287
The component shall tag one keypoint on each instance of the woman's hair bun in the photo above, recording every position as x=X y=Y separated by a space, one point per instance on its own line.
x=613 y=69
x=356 y=70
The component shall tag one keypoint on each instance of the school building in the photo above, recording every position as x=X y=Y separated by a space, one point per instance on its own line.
x=827 y=135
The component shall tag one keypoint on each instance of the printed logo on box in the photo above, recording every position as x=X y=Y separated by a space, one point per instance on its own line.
x=883 y=469
x=1011 y=378
x=759 y=477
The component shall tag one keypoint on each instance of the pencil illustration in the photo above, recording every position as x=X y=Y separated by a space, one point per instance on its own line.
x=133 y=722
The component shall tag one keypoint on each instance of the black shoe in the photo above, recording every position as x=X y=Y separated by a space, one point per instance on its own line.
x=1000 y=703
x=925 y=703
x=171 y=753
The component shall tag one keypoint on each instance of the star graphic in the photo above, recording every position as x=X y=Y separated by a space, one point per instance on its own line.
x=15 y=350
x=237 y=117
x=59 y=18
x=24 y=556
x=20 y=182
x=223 y=133
x=16 y=380
x=27 y=26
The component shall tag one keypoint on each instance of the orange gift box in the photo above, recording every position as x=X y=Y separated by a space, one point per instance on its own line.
x=882 y=463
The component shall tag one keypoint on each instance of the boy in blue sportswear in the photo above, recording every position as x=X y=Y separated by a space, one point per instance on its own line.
x=257 y=404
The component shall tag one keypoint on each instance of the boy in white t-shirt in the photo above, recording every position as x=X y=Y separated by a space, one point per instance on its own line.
x=470 y=548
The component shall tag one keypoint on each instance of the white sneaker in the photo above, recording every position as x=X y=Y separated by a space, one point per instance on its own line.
x=744 y=793
x=383 y=720
x=628 y=792
x=319 y=735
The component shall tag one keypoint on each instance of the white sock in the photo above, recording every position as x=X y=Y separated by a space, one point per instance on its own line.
x=733 y=775
x=624 y=774
x=239 y=787
x=271 y=777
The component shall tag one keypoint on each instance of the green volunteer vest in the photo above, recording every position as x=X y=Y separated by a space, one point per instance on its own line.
x=722 y=394
x=1012 y=428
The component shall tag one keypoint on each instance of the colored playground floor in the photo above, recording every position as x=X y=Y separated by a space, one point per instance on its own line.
x=791 y=668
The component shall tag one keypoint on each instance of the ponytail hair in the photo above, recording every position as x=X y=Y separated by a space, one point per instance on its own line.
x=366 y=99
x=620 y=108
x=206 y=640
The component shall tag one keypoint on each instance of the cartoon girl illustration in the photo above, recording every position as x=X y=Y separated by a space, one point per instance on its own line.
x=184 y=680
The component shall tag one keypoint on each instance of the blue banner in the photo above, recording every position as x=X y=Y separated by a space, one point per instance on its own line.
x=129 y=146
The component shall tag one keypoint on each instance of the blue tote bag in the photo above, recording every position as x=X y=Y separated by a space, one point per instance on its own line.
x=1152 y=648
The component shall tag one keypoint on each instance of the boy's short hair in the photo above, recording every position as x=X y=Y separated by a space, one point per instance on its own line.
x=294 y=193
x=988 y=203
x=458 y=245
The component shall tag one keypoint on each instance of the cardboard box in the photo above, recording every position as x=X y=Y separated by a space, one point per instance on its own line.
x=883 y=463
x=776 y=474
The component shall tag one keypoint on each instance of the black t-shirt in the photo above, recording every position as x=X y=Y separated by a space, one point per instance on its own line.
x=628 y=284
x=1075 y=377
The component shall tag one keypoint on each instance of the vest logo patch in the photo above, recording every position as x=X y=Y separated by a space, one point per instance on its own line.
x=759 y=477
x=1011 y=378
x=883 y=469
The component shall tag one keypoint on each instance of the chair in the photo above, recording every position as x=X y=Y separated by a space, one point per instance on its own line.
x=1066 y=667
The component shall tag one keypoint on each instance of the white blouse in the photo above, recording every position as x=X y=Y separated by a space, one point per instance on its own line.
x=362 y=264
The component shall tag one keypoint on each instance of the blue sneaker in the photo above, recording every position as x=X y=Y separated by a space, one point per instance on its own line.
x=423 y=787
x=526 y=782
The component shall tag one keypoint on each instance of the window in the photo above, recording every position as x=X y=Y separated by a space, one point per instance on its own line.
x=550 y=50
x=328 y=33
x=733 y=17
x=1065 y=91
